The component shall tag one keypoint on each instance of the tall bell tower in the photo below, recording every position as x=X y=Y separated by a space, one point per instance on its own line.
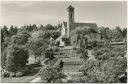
x=70 y=22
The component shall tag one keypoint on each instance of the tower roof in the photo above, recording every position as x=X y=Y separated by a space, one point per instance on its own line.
x=70 y=7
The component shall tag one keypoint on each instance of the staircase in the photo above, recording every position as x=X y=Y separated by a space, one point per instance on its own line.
x=72 y=62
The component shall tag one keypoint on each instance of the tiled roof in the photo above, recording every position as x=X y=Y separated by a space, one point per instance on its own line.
x=89 y=25
x=85 y=24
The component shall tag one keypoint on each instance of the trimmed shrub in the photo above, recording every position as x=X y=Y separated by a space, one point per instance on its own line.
x=50 y=74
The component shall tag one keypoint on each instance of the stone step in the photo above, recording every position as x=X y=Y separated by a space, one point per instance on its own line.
x=71 y=68
x=72 y=61
x=73 y=73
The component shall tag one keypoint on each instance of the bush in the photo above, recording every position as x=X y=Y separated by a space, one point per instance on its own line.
x=89 y=65
x=104 y=71
x=113 y=68
x=50 y=74
x=108 y=52
x=16 y=58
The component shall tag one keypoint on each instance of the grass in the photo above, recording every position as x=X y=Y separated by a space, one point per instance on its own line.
x=23 y=79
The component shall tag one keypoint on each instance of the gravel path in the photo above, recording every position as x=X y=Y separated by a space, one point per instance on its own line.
x=36 y=80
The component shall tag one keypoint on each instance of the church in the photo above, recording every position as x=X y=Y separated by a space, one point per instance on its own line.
x=69 y=26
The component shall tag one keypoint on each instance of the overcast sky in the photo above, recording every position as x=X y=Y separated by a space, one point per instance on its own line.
x=109 y=14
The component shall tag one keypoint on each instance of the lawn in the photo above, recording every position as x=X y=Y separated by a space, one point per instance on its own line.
x=23 y=79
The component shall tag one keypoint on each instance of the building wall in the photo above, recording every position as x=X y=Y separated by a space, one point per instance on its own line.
x=70 y=26
x=71 y=21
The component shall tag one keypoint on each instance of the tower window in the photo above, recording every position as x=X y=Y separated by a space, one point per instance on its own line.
x=71 y=16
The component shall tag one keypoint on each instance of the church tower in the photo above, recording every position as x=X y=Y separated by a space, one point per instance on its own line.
x=70 y=22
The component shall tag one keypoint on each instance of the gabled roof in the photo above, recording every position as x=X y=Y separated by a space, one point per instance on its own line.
x=89 y=25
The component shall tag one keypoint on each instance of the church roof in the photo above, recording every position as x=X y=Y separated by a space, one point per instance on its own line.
x=70 y=7
x=90 y=25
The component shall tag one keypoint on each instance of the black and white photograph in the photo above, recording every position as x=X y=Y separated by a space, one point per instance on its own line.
x=63 y=41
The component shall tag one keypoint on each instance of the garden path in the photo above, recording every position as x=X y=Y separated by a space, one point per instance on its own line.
x=36 y=80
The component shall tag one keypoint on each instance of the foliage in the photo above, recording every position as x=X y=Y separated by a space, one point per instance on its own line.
x=13 y=30
x=4 y=51
x=51 y=74
x=84 y=55
x=11 y=39
x=16 y=58
x=38 y=43
x=28 y=28
x=21 y=38
x=5 y=43
x=14 y=47
x=32 y=28
x=80 y=39
x=89 y=65
x=4 y=33
x=113 y=68
x=8 y=32
x=51 y=27
x=79 y=36
x=104 y=72
x=104 y=53
x=3 y=58
x=39 y=40
x=110 y=62
x=113 y=35
x=124 y=32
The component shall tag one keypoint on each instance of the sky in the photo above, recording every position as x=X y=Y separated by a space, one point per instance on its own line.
x=108 y=14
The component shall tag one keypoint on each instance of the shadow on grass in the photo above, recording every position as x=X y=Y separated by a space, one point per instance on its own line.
x=34 y=69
